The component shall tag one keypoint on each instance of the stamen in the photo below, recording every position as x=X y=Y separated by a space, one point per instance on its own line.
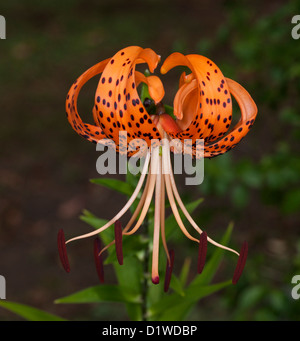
x=98 y=259
x=118 y=241
x=169 y=270
x=162 y=218
x=188 y=216
x=149 y=195
x=139 y=206
x=166 y=172
x=62 y=250
x=156 y=231
x=124 y=209
x=241 y=263
x=202 y=251
x=135 y=214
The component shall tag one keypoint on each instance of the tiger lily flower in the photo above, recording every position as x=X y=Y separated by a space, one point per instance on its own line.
x=203 y=110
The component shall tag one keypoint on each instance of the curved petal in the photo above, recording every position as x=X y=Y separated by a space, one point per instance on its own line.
x=210 y=115
x=119 y=106
x=184 y=78
x=88 y=131
x=155 y=86
x=241 y=129
x=180 y=97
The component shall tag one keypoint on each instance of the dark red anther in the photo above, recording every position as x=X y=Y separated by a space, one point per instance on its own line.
x=98 y=259
x=118 y=241
x=241 y=263
x=202 y=251
x=62 y=250
x=169 y=270
x=155 y=280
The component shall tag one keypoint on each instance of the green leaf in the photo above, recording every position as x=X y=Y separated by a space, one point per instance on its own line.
x=176 y=285
x=29 y=313
x=185 y=271
x=175 y=307
x=115 y=184
x=129 y=276
x=102 y=293
x=92 y=220
x=108 y=235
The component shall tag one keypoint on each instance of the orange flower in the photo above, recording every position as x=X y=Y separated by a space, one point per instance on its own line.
x=203 y=104
x=203 y=110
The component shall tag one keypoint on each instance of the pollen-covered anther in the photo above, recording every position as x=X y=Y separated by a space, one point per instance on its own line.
x=118 y=241
x=169 y=270
x=241 y=263
x=62 y=250
x=202 y=251
x=98 y=259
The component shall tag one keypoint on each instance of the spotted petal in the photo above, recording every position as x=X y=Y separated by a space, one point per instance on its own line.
x=88 y=131
x=203 y=104
x=119 y=107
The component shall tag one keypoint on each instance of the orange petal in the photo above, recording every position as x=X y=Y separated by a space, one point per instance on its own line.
x=155 y=86
x=248 y=115
x=180 y=98
x=120 y=108
x=185 y=79
x=86 y=130
x=173 y=60
x=205 y=113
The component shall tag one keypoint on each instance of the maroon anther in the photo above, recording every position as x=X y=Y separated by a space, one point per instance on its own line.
x=241 y=263
x=98 y=259
x=62 y=250
x=155 y=280
x=202 y=251
x=118 y=241
x=169 y=270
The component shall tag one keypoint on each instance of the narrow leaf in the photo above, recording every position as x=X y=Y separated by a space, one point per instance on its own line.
x=179 y=311
x=170 y=307
x=29 y=313
x=102 y=293
x=115 y=184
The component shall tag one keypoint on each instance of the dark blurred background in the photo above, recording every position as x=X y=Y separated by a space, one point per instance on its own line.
x=45 y=167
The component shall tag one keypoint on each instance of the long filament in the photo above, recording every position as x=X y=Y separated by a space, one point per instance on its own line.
x=157 y=220
x=124 y=209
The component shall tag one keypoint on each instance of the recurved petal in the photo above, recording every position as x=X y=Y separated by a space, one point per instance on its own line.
x=180 y=100
x=184 y=78
x=120 y=108
x=173 y=60
x=88 y=131
x=201 y=109
x=241 y=129
x=155 y=86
